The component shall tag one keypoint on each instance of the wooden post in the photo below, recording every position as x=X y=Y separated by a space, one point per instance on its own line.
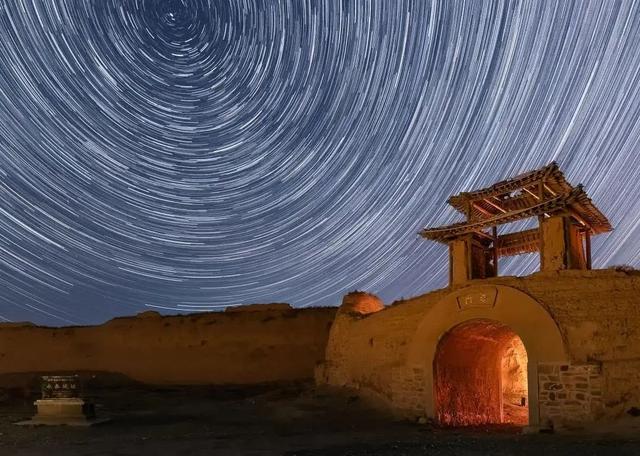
x=541 y=241
x=587 y=242
x=540 y=227
x=468 y=250
x=450 y=263
x=541 y=190
x=494 y=231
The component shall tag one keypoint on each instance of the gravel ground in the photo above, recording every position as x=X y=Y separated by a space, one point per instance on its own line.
x=269 y=419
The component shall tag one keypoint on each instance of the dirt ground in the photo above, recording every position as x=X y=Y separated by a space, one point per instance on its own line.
x=269 y=420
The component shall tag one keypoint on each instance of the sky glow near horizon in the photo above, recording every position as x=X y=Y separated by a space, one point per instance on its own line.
x=190 y=155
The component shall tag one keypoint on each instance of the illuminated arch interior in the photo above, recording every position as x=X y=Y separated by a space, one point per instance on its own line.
x=480 y=375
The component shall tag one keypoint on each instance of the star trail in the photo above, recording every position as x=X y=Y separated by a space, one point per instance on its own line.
x=188 y=155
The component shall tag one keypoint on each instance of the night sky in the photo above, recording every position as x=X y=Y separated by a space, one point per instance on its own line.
x=190 y=155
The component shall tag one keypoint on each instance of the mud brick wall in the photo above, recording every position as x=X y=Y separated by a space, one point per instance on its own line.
x=408 y=386
x=259 y=344
x=621 y=389
x=363 y=349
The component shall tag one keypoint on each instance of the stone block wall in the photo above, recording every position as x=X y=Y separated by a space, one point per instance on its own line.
x=569 y=393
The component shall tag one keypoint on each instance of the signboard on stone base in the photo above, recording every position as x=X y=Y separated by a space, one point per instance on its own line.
x=62 y=404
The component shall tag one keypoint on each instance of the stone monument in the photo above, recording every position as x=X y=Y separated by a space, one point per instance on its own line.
x=62 y=404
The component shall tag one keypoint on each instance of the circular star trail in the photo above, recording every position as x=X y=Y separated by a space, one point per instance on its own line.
x=188 y=155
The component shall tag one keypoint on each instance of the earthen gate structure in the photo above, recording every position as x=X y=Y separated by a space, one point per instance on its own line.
x=440 y=355
x=580 y=328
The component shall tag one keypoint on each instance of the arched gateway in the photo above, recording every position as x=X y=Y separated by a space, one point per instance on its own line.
x=460 y=345
x=466 y=358
x=480 y=375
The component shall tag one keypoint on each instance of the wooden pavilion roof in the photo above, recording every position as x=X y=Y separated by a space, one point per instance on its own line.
x=543 y=192
x=515 y=193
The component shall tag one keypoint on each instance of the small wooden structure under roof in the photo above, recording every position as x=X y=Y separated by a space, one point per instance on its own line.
x=567 y=220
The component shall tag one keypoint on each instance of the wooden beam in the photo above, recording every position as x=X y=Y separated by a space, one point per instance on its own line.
x=483 y=234
x=531 y=193
x=504 y=211
x=549 y=190
x=582 y=221
x=481 y=209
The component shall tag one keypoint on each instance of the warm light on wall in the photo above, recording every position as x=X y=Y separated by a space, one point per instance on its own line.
x=514 y=382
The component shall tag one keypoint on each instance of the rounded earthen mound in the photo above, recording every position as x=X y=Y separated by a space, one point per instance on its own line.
x=361 y=302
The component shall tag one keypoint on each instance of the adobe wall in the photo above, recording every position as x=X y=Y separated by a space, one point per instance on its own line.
x=594 y=373
x=249 y=345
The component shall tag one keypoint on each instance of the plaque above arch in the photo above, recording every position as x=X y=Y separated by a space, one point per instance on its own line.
x=477 y=298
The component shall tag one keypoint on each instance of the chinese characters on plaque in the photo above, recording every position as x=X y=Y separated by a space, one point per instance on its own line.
x=480 y=298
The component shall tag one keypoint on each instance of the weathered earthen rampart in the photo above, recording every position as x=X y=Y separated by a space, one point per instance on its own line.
x=251 y=345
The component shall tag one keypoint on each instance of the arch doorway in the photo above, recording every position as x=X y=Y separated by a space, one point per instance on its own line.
x=480 y=375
